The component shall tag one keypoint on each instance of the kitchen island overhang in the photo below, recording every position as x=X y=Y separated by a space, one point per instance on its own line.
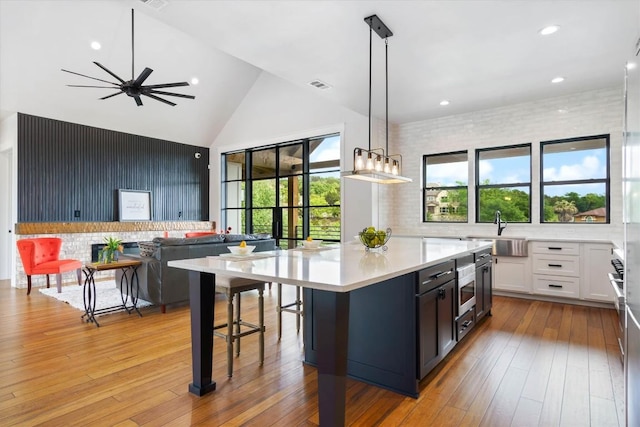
x=333 y=274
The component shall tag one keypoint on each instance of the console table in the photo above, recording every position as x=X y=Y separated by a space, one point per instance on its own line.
x=128 y=289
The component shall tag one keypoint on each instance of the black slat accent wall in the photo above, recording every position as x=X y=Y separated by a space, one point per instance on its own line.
x=65 y=167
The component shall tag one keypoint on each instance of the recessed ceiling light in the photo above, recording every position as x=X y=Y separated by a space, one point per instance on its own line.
x=194 y=81
x=95 y=46
x=549 y=30
x=444 y=102
x=631 y=65
x=557 y=80
x=563 y=111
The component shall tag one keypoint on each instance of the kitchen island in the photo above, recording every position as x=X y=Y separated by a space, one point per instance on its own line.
x=333 y=274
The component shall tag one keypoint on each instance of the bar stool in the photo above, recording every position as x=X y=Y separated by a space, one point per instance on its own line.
x=232 y=287
x=287 y=308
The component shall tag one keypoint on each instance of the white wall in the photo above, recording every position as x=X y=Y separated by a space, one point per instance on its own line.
x=8 y=182
x=277 y=111
x=589 y=113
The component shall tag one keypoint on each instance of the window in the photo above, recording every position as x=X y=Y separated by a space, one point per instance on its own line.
x=503 y=183
x=446 y=177
x=291 y=190
x=574 y=183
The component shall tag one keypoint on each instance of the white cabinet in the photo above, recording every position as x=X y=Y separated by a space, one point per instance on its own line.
x=572 y=270
x=556 y=269
x=512 y=274
x=596 y=264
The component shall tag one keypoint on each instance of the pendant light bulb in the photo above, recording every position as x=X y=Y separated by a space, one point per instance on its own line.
x=378 y=164
x=369 y=165
x=387 y=166
x=359 y=161
x=394 y=169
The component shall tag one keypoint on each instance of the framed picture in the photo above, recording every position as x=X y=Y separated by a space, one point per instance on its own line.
x=134 y=205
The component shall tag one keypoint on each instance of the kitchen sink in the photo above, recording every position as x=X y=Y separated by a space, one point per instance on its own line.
x=506 y=246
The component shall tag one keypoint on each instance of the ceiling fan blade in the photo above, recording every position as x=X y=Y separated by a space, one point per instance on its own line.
x=109 y=71
x=112 y=95
x=143 y=76
x=89 y=77
x=138 y=100
x=159 y=92
x=102 y=87
x=157 y=98
x=167 y=85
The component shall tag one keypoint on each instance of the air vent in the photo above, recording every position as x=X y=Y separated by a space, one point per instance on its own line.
x=319 y=84
x=155 y=4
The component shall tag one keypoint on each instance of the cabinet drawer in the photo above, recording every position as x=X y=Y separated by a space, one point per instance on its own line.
x=556 y=248
x=556 y=265
x=567 y=287
x=432 y=277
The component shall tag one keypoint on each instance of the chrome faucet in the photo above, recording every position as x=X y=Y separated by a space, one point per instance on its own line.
x=498 y=220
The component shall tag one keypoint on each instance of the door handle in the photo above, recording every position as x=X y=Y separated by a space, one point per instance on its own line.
x=442 y=294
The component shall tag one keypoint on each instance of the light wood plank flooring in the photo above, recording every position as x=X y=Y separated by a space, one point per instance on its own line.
x=531 y=364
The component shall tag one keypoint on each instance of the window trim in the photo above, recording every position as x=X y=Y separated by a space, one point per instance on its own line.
x=606 y=180
x=425 y=188
x=478 y=186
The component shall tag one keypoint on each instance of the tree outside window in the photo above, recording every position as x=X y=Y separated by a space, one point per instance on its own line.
x=445 y=183
x=575 y=180
x=503 y=177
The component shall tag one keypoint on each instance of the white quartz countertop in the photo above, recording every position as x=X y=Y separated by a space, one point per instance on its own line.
x=343 y=268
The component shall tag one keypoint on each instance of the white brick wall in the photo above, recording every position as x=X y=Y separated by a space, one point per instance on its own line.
x=589 y=113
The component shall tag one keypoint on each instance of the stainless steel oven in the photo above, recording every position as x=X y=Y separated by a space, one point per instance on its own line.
x=466 y=288
x=617 y=283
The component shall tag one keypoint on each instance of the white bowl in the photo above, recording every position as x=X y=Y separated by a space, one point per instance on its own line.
x=237 y=250
x=313 y=244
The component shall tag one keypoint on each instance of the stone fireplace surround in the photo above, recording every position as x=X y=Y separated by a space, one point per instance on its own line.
x=77 y=238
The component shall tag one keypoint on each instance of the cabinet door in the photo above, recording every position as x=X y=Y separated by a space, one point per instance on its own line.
x=446 y=318
x=436 y=326
x=512 y=274
x=594 y=281
x=429 y=345
x=484 y=299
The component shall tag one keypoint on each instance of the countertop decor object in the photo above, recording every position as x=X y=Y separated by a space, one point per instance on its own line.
x=374 y=239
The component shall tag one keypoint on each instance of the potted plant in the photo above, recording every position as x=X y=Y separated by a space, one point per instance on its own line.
x=110 y=251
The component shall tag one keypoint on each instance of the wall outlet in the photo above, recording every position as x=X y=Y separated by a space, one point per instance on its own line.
x=76 y=214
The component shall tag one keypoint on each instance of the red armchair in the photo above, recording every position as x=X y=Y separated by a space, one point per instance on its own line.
x=40 y=256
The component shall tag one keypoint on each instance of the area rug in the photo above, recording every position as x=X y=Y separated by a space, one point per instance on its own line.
x=107 y=295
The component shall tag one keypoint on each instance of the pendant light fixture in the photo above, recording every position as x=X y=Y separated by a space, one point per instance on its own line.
x=377 y=165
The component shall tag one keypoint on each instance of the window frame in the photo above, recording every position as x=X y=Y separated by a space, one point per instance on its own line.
x=278 y=210
x=425 y=188
x=606 y=180
x=478 y=186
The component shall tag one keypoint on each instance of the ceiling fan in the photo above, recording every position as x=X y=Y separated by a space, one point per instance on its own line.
x=134 y=87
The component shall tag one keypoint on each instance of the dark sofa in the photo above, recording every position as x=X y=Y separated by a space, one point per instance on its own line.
x=160 y=284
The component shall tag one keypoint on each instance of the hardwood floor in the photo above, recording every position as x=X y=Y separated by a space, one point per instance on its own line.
x=532 y=363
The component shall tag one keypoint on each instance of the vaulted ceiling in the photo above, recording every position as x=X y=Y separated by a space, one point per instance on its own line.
x=476 y=54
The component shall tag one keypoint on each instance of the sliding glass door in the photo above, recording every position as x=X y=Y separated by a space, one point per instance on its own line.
x=290 y=190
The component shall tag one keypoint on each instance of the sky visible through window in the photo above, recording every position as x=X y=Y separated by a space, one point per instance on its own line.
x=563 y=166
x=328 y=150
